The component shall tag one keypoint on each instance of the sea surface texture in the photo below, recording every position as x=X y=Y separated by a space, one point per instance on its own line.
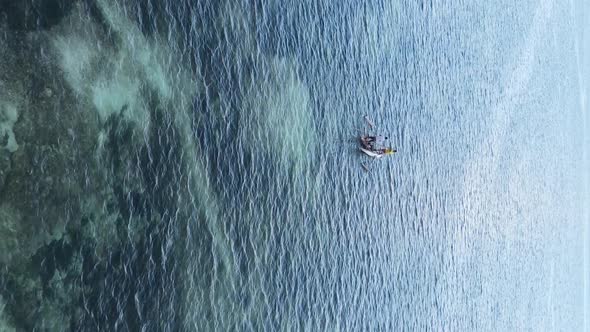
x=193 y=165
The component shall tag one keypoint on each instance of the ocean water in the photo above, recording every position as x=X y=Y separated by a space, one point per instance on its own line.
x=194 y=165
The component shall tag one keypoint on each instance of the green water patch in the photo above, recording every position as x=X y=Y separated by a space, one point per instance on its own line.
x=139 y=195
x=93 y=204
x=27 y=15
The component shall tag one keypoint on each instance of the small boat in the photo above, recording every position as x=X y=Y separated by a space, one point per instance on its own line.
x=369 y=150
x=366 y=148
x=369 y=122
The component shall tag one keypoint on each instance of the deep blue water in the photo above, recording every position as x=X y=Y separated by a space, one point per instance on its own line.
x=214 y=180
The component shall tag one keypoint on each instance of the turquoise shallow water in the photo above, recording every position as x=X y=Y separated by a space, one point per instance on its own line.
x=188 y=166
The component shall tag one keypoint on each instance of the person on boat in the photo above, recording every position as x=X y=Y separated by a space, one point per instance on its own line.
x=365 y=144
